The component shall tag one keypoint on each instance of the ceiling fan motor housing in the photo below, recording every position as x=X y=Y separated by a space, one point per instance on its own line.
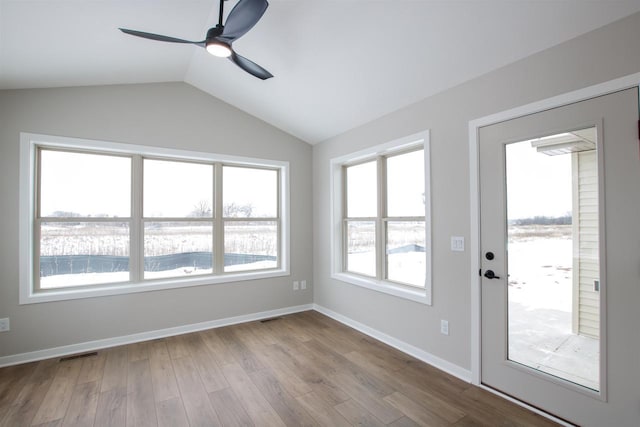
x=214 y=32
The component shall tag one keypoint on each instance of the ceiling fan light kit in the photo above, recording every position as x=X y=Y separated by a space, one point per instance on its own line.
x=219 y=49
x=244 y=15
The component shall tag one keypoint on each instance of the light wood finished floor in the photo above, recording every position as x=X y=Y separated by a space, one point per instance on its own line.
x=299 y=370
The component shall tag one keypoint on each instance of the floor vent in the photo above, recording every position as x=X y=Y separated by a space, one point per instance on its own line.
x=270 y=320
x=78 y=356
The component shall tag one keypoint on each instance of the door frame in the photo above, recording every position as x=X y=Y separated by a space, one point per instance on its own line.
x=600 y=89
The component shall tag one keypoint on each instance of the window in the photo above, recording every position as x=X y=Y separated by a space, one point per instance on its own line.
x=101 y=218
x=83 y=219
x=178 y=218
x=381 y=213
x=250 y=215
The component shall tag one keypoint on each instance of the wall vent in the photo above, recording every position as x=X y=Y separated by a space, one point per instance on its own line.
x=78 y=356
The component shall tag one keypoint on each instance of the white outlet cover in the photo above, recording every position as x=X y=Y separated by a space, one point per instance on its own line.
x=303 y=284
x=4 y=324
x=296 y=285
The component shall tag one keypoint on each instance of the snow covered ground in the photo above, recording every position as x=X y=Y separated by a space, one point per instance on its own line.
x=69 y=280
x=540 y=309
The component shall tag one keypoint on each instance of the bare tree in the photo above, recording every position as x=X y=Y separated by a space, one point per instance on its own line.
x=201 y=209
x=233 y=210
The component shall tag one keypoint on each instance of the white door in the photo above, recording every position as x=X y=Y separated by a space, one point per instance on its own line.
x=553 y=267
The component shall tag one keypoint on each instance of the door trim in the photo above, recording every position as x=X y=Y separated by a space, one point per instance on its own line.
x=600 y=89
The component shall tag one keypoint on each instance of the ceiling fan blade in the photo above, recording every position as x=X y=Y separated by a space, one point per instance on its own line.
x=159 y=37
x=244 y=15
x=250 y=66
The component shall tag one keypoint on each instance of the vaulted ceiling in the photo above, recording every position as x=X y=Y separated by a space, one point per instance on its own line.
x=337 y=63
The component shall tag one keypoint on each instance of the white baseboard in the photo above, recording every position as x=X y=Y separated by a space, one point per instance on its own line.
x=429 y=358
x=88 y=346
x=144 y=336
x=443 y=365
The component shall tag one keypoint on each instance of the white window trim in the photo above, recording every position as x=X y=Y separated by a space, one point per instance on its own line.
x=28 y=146
x=420 y=139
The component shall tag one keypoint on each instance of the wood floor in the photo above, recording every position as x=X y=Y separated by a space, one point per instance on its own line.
x=299 y=370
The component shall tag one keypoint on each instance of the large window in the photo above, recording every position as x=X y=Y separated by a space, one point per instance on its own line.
x=381 y=214
x=105 y=218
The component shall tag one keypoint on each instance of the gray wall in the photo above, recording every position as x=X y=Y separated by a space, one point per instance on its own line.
x=176 y=115
x=173 y=115
x=604 y=54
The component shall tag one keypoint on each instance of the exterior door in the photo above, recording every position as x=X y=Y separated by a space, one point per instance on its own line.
x=550 y=258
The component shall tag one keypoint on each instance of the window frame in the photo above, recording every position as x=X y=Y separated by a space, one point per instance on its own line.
x=340 y=220
x=142 y=219
x=223 y=220
x=39 y=219
x=30 y=145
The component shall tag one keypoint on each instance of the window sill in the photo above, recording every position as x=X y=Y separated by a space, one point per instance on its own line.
x=418 y=295
x=62 y=294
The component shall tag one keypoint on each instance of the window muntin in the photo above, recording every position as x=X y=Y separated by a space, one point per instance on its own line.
x=139 y=235
x=384 y=218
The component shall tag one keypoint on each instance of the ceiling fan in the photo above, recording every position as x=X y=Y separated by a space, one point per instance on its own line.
x=219 y=40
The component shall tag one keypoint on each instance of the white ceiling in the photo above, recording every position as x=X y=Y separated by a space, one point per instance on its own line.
x=337 y=63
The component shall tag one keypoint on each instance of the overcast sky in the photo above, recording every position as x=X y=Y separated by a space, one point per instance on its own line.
x=537 y=184
x=91 y=185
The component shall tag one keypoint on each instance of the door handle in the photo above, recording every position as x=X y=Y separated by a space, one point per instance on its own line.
x=489 y=274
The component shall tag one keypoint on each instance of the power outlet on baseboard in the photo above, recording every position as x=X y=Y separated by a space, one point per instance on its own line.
x=4 y=324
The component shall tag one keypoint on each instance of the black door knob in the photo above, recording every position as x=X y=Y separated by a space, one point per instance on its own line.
x=489 y=256
x=489 y=274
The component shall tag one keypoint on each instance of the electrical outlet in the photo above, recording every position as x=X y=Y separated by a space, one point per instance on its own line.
x=303 y=284
x=444 y=327
x=296 y=285
x=4 y=324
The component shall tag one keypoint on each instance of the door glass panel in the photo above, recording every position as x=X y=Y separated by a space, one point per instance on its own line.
x=553 y=256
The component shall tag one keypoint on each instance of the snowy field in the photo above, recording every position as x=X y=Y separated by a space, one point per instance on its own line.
x=540 y=306
x=161 y=239
x=540 y=264
x=68 y=280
